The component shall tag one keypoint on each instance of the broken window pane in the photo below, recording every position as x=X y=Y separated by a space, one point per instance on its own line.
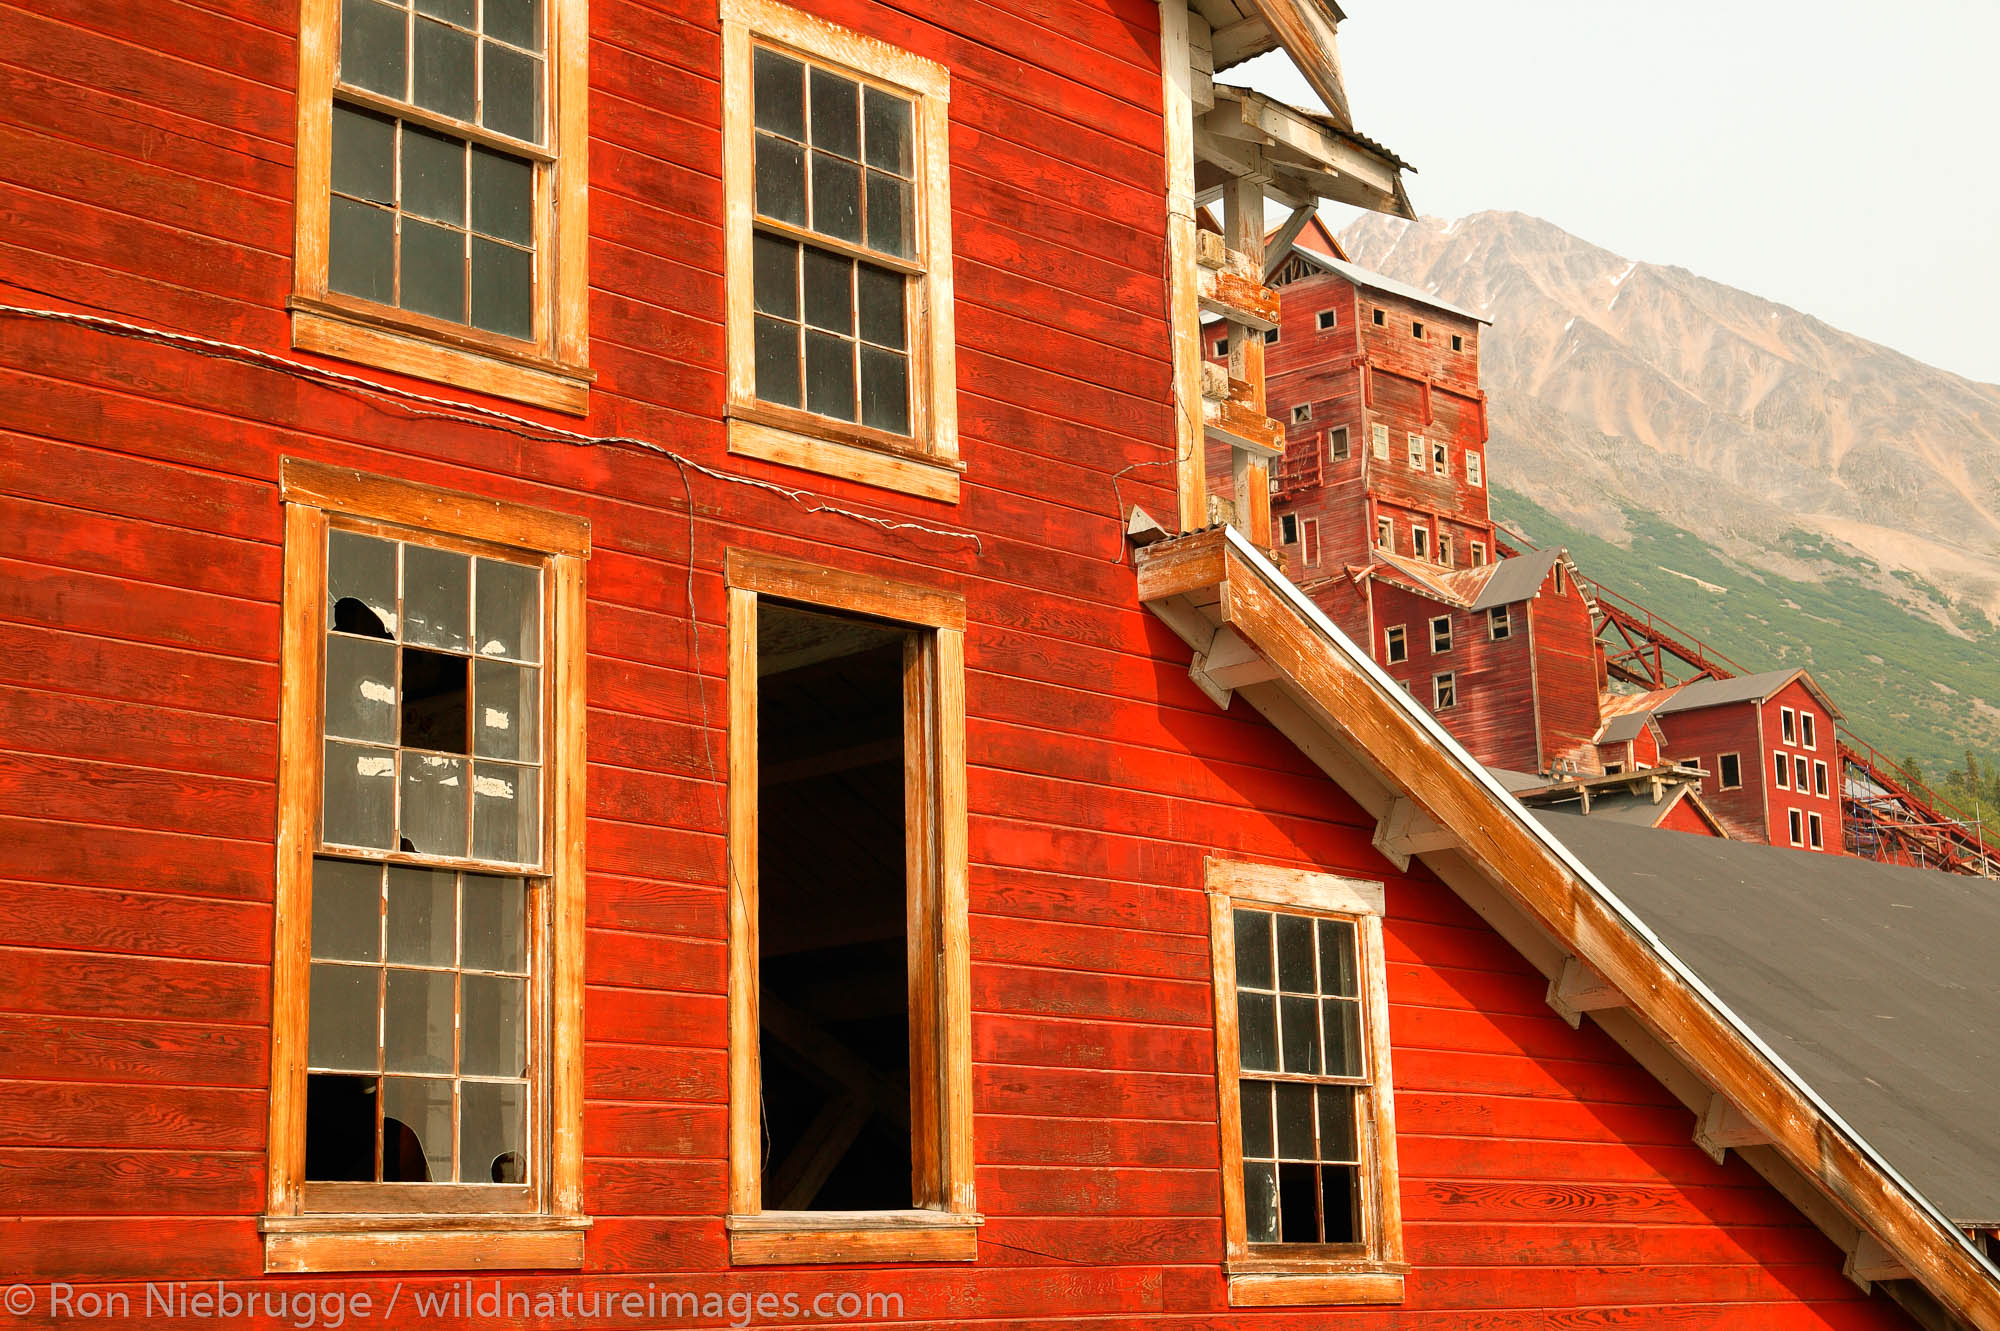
x=1298 y=1203
x=509 y=610
x=493 y=1132
x=506 y=813
x=361 y=689
x=422 y=923
x=359 y=787
x=340 y=1031
x=1341 y=1202
x=506 y=704
x=434 y=701
x=417 y=1021
x=437 y=587
x=496 y=1025
x=416 y=1130
x=496 y=924
x=1260 y=1201
x=346 y=910
x=433 y=821
x=361 y=584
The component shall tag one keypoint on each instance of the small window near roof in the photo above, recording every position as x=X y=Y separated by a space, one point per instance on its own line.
x=1328 y=319
x=1808 y=731
x=1288 y=529
x=1478 y=554
x=1499 y=623
x=1302 y=413
x=1457 y=342
x=1729 y=771
x=1396 y=644
x=1416 y=328
x=1270 y=336
x=1380 y=318
x=1444 y=691
x=1336 y=443
x=1788 y=724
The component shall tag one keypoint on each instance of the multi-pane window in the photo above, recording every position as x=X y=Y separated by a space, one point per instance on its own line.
x=1310 y=1192
x=1379 y=442
x=439 y=135
x=1385 y=533
x=427 y=984
x=1474 y=473
x=1440 y=459
x=1418 y=451
x=419 y=1047
x=835 y=243
x=1304 y=1068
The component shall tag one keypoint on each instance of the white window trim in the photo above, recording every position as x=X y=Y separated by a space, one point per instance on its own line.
x=1385 y=533
x=1438 y=621
x=1499 y=623
x=1815 y=832
x=1392 y=635
x=1345 y=438
x=1782 y=762
x=1438 y=683
x=1420 y=541
x=1419 y=452
x=930 y=467
x=1795 y=824
x=1788 y=725
x=1302 y=413
x=1821 y=786
x=1722 y=782
x=1475 y=470
x=1379 y=442
x=1328 y=320
x=1808 y=730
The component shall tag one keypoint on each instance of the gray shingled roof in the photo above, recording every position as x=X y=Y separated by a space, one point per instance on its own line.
x=1879 y=985
x=1515 y=579
x=1374 y=281
x=1715 y=692
x=1623 y=727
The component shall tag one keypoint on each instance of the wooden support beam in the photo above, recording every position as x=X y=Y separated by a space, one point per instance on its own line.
x=1404 y=831
x=1722 y=1125
x=1868 y=1261
x=1578 y=989
x=1228 y=664
x=1281 y=243
x=1235 y=423
x=1183 y=300
x=1239 y=298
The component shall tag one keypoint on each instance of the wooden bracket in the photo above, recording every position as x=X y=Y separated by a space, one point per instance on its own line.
x=1868 y=1261
x=1240 y=426
x=1229 y=664
x=1405 y=830
x=1579 y=989
x=1281 y=244
x=1722 y=1126
x=1238 y=297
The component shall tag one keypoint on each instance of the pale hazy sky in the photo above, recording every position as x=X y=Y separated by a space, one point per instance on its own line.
x=1834 y=156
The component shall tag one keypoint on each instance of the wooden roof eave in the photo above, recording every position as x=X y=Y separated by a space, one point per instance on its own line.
x=1306 y=29
x=1433 y=800
x=1295 y=157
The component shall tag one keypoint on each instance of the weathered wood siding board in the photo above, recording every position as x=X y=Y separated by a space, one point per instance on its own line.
x=148 y=170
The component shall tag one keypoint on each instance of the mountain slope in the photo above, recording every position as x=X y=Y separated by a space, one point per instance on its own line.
x=1809 y=471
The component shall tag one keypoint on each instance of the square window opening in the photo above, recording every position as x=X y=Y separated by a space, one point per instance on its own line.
x=1328 y=319
x=1729 y=771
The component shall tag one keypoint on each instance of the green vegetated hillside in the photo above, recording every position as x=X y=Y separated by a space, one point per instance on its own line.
x=1907 y=686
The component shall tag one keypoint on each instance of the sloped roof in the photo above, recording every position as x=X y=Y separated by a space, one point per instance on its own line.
x=1740 y=688
x=1623 y=728
x=1516 y=579
x=1878 y=983
x=1374 y=281
x=1633 y=809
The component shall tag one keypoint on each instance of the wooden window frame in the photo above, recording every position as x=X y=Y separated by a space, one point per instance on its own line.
x=1821 y=784
x=1440 y=682
x=1270 y=337
x=1815 y=832
x=1418 y=451
x=1288 y=522
x=1342 y=451
x=1396 y=644
x=1440 y=457
x=1788 y=725
x=1499 y=623
x=1309 y=542
x=1475 y=470
x=1266 y=1275
x=1420 y=541
x=925 y=462
x=1328 y=320
x=1808 y=730
x=1447 y=553
x=550 y=369
x=944 y=1225
x=1440 y=622
x=1479 y=554
x=1782 y=768
x=1721 y=779
x=1417 y=329
x=1378 y=443
x=1302 y=413
x=449 y=1234
x=1381 y=318
x=1795 y=824
x=1458 y=341
x=1385 y=533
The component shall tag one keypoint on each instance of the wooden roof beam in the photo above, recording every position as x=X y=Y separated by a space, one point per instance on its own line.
x=1404 y=831
x=1578 y=989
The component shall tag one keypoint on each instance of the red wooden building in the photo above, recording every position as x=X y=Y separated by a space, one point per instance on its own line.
x=579 y=710
x=1768 y=741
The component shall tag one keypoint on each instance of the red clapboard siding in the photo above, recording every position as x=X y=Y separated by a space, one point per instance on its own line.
x=1546 y=1177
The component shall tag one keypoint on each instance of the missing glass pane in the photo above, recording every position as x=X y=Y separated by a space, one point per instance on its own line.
x=434 y=701
x=340 y=1128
